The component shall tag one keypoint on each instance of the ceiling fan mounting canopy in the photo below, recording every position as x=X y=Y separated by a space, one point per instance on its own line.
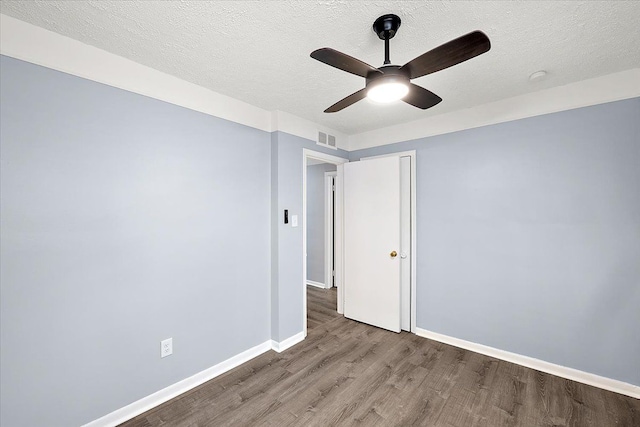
x=392 y=82
x=386 y=26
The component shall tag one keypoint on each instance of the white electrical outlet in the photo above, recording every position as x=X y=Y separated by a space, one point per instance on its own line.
x=166 y=347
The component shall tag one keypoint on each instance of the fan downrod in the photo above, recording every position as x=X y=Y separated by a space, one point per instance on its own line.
x=386 y=26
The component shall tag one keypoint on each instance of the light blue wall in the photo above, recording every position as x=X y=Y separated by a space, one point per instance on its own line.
x=290 y=280
x=316 y=220
x=529 y=236
x=125 y=220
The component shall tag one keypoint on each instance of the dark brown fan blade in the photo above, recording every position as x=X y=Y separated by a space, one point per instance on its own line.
x=448 y=54
x=421 y=97
x=344 y=62
x=345 y=102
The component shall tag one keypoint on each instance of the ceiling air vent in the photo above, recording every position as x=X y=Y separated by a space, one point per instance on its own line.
x=332 y=141
x=327 y=140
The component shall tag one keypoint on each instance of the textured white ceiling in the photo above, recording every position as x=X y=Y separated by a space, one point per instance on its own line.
x=258 y=52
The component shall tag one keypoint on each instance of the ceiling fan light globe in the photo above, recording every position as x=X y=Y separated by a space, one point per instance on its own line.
x=388 y=92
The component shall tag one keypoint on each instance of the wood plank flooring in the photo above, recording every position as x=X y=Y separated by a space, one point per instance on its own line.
x=321 y=306
x=351 y=374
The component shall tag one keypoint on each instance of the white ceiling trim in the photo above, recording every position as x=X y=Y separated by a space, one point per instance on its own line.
x=258 y=52
x=599 y=90
x=30 y=43
x=33 y=44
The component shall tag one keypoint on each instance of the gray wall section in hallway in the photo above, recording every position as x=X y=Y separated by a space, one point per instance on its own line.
x=290 y=281
x=529 y=236
x=316 y=220
x=274 y=229
x=125 y=220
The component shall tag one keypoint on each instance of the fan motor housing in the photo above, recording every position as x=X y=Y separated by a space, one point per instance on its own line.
x=390 y=74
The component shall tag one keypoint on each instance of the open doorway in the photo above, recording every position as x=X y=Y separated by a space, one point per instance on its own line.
x=321 y=290
x=407 y=252
x=321 y=209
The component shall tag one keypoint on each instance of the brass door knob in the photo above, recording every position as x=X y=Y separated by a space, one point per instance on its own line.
x=393 y=254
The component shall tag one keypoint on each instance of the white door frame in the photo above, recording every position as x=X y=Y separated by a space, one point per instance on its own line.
x=327 y=158
x=413 y=257
x=328 y=228
x=338 y=244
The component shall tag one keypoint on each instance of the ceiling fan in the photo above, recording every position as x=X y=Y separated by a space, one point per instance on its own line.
x=392 y=82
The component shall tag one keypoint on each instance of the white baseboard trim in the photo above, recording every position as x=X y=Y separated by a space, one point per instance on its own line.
x=140 y=406
x=288 y=343
x=540 y=365
x=316 y=284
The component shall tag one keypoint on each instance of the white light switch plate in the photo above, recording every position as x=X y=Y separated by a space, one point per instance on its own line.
x=294 y=220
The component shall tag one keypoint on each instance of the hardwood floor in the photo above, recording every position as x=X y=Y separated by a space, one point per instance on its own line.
x=321 y=306
x=347 y=373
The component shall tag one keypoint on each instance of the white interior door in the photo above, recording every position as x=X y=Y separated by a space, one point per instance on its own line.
x=371 y=204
